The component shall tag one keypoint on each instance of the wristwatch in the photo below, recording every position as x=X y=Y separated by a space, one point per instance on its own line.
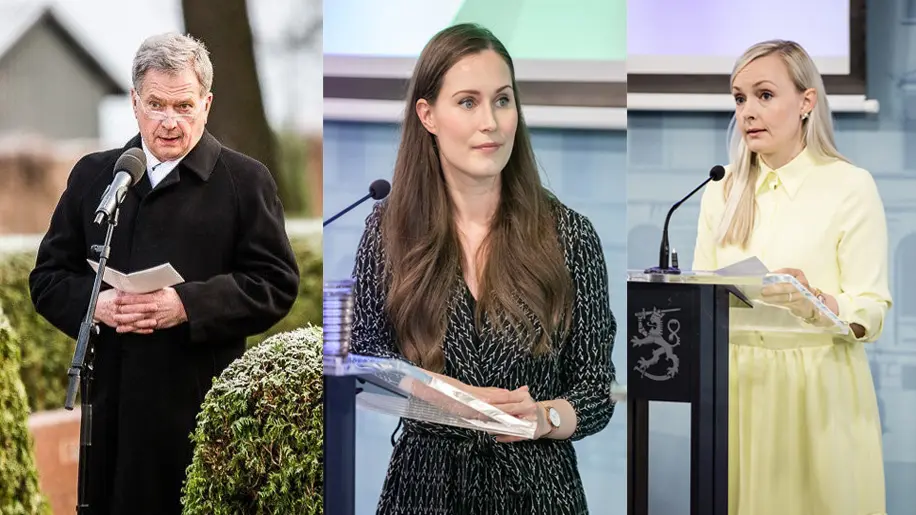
x=553 y=418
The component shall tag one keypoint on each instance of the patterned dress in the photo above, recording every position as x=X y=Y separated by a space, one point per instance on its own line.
x=443 y=470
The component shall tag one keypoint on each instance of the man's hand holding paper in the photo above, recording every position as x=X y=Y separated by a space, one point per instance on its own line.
x=143 y=313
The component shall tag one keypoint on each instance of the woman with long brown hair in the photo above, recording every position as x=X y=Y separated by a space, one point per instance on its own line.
x=474 y=272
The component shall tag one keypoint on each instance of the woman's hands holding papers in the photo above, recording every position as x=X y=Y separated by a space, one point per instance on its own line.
x=800 y=306
x=140 y=313
x=785 y=294
x=518 y=403
x=436 y=396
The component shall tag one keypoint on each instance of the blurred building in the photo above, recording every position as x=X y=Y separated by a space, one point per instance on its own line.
x=51 y=85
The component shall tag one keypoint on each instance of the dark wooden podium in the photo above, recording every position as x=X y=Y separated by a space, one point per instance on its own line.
x=677 y=351
x=678 y=331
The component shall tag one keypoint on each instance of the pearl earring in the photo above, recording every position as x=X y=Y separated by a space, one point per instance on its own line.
x=805 y=116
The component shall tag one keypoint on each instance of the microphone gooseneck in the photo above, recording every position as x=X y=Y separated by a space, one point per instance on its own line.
x=378 y=190
x=715 y=174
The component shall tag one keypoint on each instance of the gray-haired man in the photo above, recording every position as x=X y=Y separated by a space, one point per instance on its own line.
x=212 y=213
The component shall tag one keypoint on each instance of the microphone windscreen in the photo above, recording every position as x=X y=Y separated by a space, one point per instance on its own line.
x=717 y=172
x=132 y=161
x=379 y=189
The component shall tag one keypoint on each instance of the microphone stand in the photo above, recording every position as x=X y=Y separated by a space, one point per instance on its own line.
x=345 y=211
x=664 y=251
x=81 y=368
x=339 y=399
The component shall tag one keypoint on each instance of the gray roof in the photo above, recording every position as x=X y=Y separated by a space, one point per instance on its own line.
x=18 y=18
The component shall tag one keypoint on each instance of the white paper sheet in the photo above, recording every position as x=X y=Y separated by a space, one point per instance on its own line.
x=749 y=267
x=141 y=281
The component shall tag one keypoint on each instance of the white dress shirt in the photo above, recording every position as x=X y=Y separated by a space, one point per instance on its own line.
x=157 y=170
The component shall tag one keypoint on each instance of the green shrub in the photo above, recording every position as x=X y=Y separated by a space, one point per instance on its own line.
x=47 y=353
x=259 y=435
x=19 y=490
x=292 y=157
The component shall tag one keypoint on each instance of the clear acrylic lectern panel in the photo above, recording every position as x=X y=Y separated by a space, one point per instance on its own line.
x=403 y=390
x=759 y=314
x=680 y=327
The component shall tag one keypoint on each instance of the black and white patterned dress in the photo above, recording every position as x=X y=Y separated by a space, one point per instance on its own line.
x=443 y=470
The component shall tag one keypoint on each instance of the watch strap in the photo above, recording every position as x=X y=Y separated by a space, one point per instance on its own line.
x=550 y=426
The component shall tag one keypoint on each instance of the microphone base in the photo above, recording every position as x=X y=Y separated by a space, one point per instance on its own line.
x=660 y=270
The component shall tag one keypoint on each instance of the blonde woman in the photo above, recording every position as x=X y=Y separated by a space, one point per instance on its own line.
x=804 y=432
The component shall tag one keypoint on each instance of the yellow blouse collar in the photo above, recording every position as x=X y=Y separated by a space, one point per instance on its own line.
x=792 y=175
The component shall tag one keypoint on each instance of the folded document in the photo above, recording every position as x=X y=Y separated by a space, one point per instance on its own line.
x=141 y=281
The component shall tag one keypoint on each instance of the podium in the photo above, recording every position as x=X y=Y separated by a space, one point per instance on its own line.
x=678 y=331
x=387 y=385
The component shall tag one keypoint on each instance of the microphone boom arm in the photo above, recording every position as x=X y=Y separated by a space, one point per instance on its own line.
x=347 y=210
x=665 y=251
x=378 y=190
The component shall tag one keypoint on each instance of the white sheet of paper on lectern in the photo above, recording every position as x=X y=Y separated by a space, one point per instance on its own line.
x=749 y=267
x=403 y=390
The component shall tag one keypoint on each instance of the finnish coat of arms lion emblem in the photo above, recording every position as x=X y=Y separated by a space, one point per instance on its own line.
x=651 y=327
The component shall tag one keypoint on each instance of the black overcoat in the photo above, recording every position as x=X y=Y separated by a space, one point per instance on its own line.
x=218 y=220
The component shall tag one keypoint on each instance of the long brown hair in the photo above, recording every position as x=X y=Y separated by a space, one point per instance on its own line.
x=524 y=279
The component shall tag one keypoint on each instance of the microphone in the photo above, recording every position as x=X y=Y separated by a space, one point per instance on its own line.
x=128 y=170
x=379 y=189
x=715 y=174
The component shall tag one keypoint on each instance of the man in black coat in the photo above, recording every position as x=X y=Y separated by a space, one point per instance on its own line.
x=215 y=216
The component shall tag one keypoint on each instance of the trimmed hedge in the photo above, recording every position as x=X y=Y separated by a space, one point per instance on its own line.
x=259 y=435
x=46 y=352
x=20 y=493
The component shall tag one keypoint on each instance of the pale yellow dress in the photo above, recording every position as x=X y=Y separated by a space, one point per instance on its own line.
x=804 y=432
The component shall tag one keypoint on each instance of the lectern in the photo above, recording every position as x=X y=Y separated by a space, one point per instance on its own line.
x=386 y=385
x=678 y=331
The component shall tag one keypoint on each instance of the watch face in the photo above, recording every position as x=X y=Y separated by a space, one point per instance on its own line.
x=554 y=417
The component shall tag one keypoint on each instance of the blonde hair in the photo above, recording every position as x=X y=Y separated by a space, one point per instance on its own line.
x=740 y=195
